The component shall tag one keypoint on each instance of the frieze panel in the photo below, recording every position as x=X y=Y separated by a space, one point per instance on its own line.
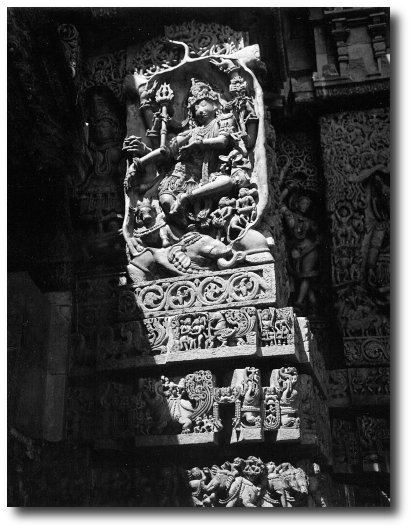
x=374 y=350
x=197 y=335
x=186 y=410
x=255 y=284
x=369 y=385
x=249 y=483
x=242 y=482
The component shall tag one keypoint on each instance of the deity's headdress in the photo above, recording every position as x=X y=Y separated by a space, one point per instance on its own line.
x=200 y=90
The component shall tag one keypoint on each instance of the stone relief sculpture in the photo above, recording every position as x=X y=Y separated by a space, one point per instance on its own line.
x=356 y=167
x=98 y=200
x=303 y=240
x=170 y=407
x=195 y=187
x=250 y=483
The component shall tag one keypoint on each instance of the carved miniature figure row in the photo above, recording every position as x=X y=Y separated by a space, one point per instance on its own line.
x=229 y=333
x=187 y=410
x=359 y=386
x=196 y=335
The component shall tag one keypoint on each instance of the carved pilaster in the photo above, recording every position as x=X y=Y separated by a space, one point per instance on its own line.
x=340 y=33
x=378 y=29
x=356 y=158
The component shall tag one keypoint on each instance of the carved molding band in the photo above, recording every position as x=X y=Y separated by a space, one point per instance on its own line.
x=255 y=284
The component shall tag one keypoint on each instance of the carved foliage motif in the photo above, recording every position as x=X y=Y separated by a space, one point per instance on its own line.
x=108 y=70
x=218 y=290
x=297 y=156
x=158 y=406
x=367 y=350
x=157 y=55
x=208 y=39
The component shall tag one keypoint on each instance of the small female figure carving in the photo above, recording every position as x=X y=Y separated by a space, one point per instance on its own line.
x=303 y=240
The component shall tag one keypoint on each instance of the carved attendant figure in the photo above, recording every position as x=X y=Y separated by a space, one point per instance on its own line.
x=303 y=242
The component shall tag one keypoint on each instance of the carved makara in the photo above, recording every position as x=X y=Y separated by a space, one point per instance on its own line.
x=167 y=407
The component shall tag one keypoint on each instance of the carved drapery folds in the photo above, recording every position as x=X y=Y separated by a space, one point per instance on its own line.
x=356 y=163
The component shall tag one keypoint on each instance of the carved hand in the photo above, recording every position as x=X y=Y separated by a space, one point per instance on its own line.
x=188 y=149
x=134 y=246
x=134 y=147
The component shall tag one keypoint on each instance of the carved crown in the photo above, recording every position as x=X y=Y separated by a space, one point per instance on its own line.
x=200 y=90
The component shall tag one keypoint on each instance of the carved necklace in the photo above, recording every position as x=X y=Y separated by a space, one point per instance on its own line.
x=205 y=129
